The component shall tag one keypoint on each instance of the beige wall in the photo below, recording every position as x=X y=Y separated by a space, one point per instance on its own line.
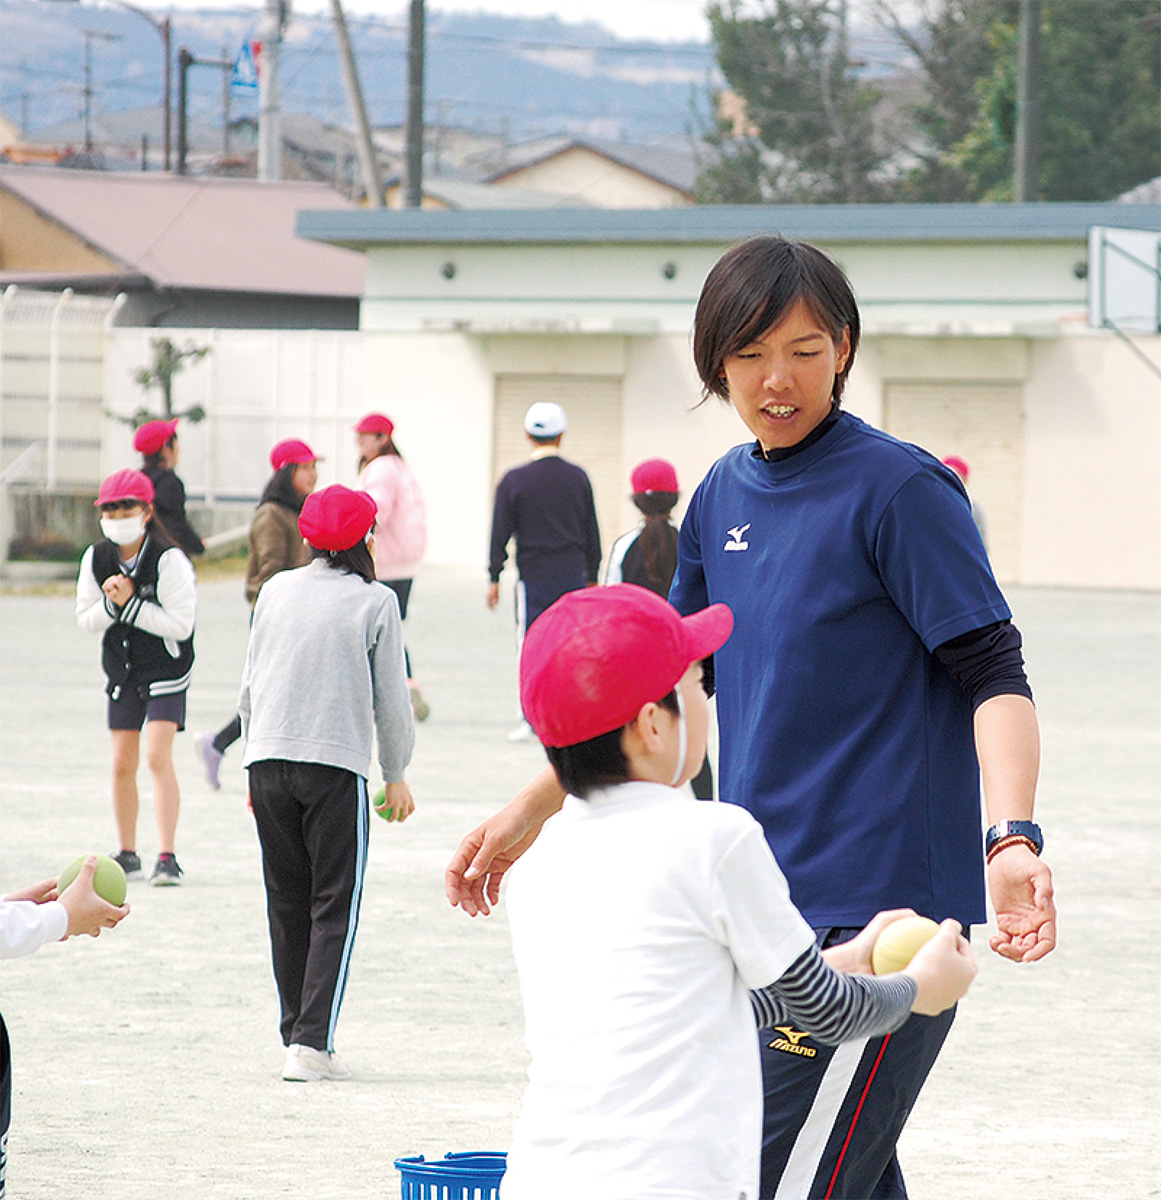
x=31 y=242
x=594 y=179
x=1092 y=515
x=1072 y=480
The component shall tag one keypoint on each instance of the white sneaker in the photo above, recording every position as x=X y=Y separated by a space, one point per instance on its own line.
x=304 y=1064
x=522 y=733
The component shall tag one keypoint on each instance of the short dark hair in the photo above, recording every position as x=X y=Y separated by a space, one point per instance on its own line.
x=752 y=287
x=356 y=560
x=599 y=762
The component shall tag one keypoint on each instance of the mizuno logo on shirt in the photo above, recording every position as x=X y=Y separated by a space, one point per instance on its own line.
x=789 y=1042
x=735 y=539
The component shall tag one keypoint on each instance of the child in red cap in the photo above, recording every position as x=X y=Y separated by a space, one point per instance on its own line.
x=641 y=919
x=401 y=526
x=324 y=682
x=157 y=443
x=647 y=555
x=137 y=589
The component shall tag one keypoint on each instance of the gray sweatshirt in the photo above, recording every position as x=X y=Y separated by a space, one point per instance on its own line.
x=324 y=668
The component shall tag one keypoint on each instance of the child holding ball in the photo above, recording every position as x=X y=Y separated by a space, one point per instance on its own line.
x=645 y=1077
x=324 y=677
x=137 y=589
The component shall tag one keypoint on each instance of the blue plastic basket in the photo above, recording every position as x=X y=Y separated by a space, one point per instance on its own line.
x=469 y=1176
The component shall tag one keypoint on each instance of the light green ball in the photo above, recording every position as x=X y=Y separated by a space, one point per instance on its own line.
x=108 y=879
x=378 y=799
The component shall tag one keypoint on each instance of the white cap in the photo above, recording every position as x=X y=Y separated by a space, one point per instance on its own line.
x=545 y=420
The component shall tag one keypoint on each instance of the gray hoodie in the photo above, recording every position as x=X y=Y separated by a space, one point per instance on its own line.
x=324 y=668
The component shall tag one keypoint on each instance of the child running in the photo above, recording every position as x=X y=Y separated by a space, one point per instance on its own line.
x=137 y=589
x=641 y=919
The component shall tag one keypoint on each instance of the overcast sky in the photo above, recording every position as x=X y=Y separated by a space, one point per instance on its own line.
x=654 y=20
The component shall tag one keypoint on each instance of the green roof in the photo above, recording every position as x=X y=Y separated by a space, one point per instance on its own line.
x=363 y=228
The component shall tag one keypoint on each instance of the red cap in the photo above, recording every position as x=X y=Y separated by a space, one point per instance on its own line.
x=654 y=475
x=153 y=435
x=291 y=450
x=592 y=659
x=337 y=517
x=957 y=464
x=126 y=484
x=376 y=423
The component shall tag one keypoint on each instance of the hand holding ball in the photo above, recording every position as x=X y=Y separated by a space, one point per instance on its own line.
x=899 y=942
x=378 y=802
x=108 y=879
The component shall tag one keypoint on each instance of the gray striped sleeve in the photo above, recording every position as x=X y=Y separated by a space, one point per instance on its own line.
x=832 y=1005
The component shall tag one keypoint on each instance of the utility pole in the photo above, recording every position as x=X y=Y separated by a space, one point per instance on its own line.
x=227 y=73
x=185 y=60
x=274 y=17
x=415 y=41
x=164 y=31
x=89 y=35
x=1026 y=170
x=371 y=184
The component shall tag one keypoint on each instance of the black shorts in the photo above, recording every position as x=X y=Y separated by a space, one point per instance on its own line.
x=129 y=711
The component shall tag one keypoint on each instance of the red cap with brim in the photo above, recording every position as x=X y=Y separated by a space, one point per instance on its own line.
x=592 y=659
x=654 y=475
x=291 y=451
x=336 y=518
x=376 y=423
x=153 y=435
x=126 y=484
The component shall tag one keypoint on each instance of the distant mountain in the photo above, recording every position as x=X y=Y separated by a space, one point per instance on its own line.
x=516 y=77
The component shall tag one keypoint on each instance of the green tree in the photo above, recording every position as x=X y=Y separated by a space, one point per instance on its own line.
x=168 y=359
x=822 y=135
x=815 y=138
x=1100 y=102
x=954 y=46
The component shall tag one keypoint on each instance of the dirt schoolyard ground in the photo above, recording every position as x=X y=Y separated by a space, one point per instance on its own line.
x=147 y=1062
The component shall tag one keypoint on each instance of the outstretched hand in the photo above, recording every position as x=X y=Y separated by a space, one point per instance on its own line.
x=1020 y=885
x=472 y=878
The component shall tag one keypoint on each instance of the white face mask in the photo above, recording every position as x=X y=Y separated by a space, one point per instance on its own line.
x=123 y=530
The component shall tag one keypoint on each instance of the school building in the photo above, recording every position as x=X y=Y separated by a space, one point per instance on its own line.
x=978 y=340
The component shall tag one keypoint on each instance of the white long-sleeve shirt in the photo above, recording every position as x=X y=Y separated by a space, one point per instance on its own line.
x=25 y=926
x=171 y=617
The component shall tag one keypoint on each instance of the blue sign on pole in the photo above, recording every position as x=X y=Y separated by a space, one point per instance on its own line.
x=245 y=77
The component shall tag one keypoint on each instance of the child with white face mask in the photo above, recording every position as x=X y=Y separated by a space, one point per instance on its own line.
x=137 y=589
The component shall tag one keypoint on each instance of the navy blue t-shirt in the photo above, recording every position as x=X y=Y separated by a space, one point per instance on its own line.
x=845 y=566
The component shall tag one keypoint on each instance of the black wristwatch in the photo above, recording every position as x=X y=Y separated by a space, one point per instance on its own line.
x=1003 y=830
